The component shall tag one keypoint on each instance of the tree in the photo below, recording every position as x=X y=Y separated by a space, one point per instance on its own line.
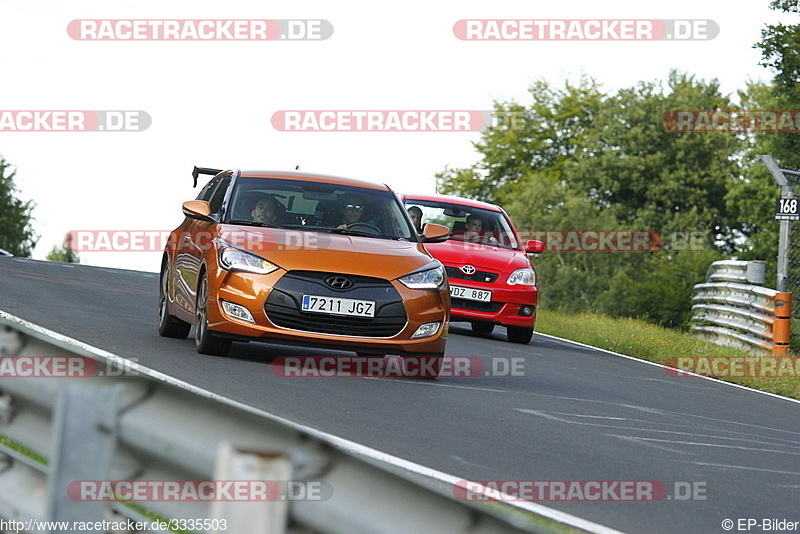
x=780 y=50
x=525 y=139
x=62 y=254
x=751 y=197
x=16 y=233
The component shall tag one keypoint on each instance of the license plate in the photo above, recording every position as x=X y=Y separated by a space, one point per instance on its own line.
x=468 y=293
x=338 y=306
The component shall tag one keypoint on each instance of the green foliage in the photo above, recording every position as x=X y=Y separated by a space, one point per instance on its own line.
x=751 y=197
x=533 y=138
x=655 y=344
x=62 y=254
x=16 y=232
x=780 y=50
x=586 y=160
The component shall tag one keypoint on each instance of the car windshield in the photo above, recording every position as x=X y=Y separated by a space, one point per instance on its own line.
x=317 y=206
x=474 y=225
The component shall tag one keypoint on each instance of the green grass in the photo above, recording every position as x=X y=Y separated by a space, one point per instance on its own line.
x=13 y=445
x=645 y=341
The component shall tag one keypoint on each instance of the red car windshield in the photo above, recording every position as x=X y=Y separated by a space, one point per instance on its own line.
x=475 y=225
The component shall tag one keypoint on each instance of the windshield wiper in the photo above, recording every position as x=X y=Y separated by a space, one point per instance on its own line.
x=360 y=233
x=265 y=224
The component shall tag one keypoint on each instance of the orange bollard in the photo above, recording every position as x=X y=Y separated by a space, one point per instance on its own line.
x=781 y=329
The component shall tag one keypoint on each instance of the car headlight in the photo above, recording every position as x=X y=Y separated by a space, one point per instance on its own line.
x=234 y=259
x=523 y=277
x=429 y=279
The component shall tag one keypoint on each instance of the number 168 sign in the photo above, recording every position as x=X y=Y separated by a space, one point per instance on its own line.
x=788 y=209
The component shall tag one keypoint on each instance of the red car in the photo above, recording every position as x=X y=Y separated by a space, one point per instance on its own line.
x=491 y=278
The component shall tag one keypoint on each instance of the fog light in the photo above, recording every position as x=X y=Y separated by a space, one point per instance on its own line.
x=526 y=311
x=426 y=330
x=237 y=312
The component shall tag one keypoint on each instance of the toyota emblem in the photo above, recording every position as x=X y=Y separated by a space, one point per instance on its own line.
x=468 y=269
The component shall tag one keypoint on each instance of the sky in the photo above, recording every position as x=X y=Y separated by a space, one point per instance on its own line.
x=211 y=103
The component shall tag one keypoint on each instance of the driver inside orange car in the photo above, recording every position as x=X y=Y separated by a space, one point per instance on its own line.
x=351 y=213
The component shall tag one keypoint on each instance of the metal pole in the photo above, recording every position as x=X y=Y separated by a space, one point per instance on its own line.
x=783 y=234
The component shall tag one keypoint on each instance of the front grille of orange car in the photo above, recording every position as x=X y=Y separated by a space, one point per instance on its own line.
x=283 y=306
x=490 y=307
x=479 y=276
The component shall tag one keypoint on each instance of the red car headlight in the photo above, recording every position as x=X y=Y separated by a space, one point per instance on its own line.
x=523 y=277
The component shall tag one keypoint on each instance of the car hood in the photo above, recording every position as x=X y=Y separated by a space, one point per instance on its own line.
x=482 y=257
x=320 y=251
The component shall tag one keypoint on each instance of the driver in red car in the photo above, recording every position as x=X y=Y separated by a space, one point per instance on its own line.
x=474 y=229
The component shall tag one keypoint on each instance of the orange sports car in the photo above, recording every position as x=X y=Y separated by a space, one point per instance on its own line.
x=303 y=258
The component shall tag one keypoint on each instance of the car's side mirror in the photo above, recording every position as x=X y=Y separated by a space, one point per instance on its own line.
x=198 y=209
x=435 y=233
x=534 y=247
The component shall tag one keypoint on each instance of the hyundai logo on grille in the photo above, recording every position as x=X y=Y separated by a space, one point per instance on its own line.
x=339 y=282
x=468 y=269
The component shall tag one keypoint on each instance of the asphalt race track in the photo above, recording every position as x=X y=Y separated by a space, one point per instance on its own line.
x=573 y=414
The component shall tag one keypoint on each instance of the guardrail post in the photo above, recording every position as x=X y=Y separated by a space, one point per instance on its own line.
x=84 y=448
x=730 y=309
x=781 y=329
x=274 y=470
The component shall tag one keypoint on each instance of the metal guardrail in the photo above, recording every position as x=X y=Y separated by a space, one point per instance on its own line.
x=141 y=425
x=730 y=309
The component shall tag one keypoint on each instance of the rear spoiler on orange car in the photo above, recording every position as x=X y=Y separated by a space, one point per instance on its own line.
x=197 y=171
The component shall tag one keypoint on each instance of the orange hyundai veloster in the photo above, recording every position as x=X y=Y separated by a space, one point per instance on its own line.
x=294 y=257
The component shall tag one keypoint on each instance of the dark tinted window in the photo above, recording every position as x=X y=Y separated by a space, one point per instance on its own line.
x=320 y=206
x=214 y=192
x=218 y=196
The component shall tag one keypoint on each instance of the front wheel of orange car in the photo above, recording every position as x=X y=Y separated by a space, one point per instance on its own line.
x=204 y=340
x=422 y=366
x=519 y=334
x=169 y=325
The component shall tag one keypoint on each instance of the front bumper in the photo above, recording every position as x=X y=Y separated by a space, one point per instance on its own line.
x=273 y=302
x=510 y=305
